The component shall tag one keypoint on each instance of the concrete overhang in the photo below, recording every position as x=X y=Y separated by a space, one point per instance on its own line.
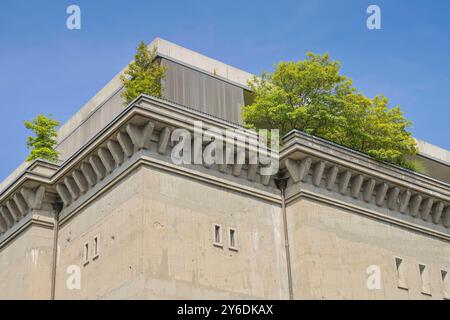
x=296 y=140
x=353 y=179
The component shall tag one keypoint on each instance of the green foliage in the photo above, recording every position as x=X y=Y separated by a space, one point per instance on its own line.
x=43 y=144
x=143 y=76
x=313 y=97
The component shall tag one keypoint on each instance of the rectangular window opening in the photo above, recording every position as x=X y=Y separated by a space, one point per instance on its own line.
x=86 y=253
x=96 y=247
x=232 y=245
x=401 y=274
x=445 y=284
x=425 y=278
x=217 y=235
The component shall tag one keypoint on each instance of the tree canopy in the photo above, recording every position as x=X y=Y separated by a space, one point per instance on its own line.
x=43 y=143
x=312 y=96
x=144 y=75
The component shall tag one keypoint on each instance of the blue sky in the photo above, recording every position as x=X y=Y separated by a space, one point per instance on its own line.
x=46 y=68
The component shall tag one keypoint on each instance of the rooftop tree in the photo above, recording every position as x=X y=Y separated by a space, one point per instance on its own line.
x=42 y=145
x=312 y=96
x=144 y=75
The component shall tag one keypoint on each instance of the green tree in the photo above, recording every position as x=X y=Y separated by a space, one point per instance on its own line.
x=312 y=96
x=144 y=75
x=43 y=143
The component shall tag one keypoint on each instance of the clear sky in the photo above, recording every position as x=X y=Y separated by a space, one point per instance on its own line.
x=46 y=68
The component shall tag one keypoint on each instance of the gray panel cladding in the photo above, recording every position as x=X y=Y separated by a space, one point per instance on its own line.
x=182 y=85
x=203 y=92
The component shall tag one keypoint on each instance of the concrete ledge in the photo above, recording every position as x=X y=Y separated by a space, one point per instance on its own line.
x=328 y=169
x=30 y=220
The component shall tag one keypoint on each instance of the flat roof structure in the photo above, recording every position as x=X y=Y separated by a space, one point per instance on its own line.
x=95 y=115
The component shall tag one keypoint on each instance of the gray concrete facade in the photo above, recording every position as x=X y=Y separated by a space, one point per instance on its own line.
x=129 y=223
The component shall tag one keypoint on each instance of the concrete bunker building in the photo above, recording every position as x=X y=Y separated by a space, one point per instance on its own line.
x=137 y=226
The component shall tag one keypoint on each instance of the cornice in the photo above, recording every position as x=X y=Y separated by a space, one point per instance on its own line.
x=297 y=138
x=318 y=165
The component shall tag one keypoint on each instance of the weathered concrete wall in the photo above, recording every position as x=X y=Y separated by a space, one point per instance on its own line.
x=331 y=250
x=156 y=241
x=156 y=234
x=25 y=265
